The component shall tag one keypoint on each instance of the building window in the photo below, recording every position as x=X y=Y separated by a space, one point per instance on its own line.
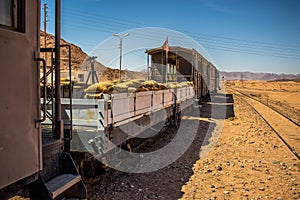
x=12 y=15
x=81 y=77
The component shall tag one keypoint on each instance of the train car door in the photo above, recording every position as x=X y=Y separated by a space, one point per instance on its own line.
x=20 y=138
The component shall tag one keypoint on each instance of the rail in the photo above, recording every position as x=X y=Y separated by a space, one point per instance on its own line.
x=274 y=109
x=284 y=140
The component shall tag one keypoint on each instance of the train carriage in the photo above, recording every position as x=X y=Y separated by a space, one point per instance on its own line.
x=30 y=158
x=19 y=77
x=183 y=64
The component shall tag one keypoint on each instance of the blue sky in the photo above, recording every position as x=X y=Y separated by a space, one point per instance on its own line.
x=256 y=35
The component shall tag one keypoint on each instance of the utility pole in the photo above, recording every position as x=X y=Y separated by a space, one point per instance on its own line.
x=242 y=79
x=120 y=45
x=45 y=29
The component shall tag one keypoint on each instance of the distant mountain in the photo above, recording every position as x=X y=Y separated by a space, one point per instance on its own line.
x=258 y=76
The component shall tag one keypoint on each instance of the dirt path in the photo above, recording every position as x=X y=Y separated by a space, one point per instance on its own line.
x=248 y=162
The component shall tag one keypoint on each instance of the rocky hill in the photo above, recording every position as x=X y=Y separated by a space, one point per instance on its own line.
x=79 y=61
x=258 y=76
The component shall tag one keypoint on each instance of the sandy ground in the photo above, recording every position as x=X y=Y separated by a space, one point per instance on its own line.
x=282 y=96
x=248 y=162
x=283 y=92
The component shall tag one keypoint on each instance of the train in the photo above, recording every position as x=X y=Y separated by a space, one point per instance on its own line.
x=50 y=142
x=117 y=120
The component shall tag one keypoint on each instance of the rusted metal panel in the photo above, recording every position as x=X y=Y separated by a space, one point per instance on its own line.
x=20 y=143
x=86 y=113
x=143 y=102
x=168 y=97
x=122 y=106
x=157 y=102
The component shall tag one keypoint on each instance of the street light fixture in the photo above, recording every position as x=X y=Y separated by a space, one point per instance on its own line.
x=121 y=39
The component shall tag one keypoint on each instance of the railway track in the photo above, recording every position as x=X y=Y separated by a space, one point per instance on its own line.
x=270 y=104
x=284 y=127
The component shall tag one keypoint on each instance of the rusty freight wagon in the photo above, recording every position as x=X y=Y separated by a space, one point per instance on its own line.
x=180 y=64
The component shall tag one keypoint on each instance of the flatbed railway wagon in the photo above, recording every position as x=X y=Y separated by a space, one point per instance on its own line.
x=100 y=126
x=104 y=126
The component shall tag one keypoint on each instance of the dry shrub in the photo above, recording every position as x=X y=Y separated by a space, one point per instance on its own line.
x=150 y=84
x=187 y=83
x=101 y=87
x=132 y=89
x=142 y=89
x=135 y=85
x=68 y=80
x=120 y=87
x=161 y=87
x=94 y=96
x=153 y=85
x=172 y=85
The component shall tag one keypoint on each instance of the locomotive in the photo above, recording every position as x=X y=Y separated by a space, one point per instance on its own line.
x=45 y=144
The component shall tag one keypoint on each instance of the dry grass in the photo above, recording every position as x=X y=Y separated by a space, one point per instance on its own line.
x=131 y=86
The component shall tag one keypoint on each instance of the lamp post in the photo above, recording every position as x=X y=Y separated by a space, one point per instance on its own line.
x=121 y=39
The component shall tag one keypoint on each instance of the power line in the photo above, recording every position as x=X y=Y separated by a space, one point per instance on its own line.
x=213 y=42
x=213 y=46
x=216 y=37
x=266 y=44
x=207 y=45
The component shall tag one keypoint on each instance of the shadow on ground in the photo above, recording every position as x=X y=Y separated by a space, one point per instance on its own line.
x=166 y=183
x=219 y=106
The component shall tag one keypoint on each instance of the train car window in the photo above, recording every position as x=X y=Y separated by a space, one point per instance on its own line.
x=12 y=15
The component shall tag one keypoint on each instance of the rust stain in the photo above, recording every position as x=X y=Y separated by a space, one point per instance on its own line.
x=90 y=114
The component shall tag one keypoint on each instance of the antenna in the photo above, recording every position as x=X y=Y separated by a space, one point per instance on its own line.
x=45 y=28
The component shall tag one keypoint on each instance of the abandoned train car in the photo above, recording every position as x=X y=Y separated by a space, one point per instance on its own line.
x=183 y=64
